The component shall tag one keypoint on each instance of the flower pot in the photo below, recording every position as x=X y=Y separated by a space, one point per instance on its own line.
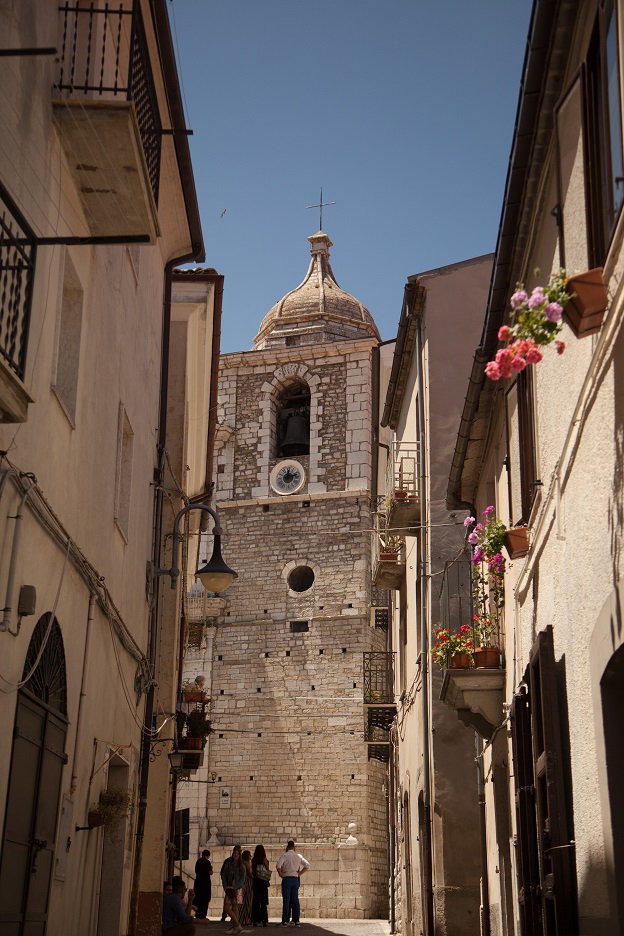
x=461 y=661
x=487 y=658
x=400 y=495
x=517 y=542
x=388 y=556
x=95 y=819
x=585 y=311
x=191 y=744
x=193 y=695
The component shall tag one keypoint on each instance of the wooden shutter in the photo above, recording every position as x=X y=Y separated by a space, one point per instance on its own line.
x=556 y=853
x=526 y=432
x=527 y=858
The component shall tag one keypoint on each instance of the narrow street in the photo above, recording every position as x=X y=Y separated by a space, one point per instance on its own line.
x=318 y=927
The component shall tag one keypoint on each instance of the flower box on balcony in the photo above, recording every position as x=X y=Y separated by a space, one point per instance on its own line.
x=461 y=661
x=191 y=744
x=585 y=310
x=517 y=542
x=388 y=556
x=193 y=696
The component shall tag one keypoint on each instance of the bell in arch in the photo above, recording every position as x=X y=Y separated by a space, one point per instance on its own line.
x=297 y=436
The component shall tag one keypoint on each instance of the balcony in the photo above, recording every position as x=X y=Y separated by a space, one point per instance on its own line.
x=402 y=495
x=378 y=680
x=477 y=697
x=17 y=273
x=107 y=117
x=378 y=742
x=388 y=560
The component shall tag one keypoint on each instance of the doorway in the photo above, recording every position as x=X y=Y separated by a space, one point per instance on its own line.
x=37 y=761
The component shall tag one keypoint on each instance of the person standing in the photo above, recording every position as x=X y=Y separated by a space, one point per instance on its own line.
x=203 y=884
x=233 y=876
x=290 y=866
x=244 y=916
x=260 y=901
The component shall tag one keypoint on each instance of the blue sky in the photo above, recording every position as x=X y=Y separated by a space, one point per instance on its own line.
x=403 y=110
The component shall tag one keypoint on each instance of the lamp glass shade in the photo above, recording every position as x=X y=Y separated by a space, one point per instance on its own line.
x=216 y=576
x=176 y=759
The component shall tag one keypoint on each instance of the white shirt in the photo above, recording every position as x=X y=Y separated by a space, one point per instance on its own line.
x=290 y=863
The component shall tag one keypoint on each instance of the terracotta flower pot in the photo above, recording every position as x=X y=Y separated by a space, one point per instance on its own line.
x=191 y=744
x=388 y=556
x=585 y=311
x=461 y=661
x=400 y=495
x=517 y=542
x=487 y=658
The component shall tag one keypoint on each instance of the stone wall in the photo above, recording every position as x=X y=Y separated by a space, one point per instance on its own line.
x=336 y=886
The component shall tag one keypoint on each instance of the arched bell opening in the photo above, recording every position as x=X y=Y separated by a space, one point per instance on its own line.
x=293 y=420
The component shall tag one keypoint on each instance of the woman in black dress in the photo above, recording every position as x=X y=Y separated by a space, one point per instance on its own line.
x=260 y=902
x=203 y=885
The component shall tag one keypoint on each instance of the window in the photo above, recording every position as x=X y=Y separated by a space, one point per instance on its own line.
x=301 y=579
x=299 y=627
x=292 y=425
x=604 y=133
x=125 y=444
x=522 y=452
x=69 y=327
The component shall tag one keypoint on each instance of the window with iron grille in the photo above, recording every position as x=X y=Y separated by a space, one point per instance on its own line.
x=17 y=274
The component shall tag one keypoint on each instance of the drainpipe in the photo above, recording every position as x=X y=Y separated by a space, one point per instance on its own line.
x=424 y=644
x=83 y=692
x=5 y=624
x=392 y=836
x=485 y=888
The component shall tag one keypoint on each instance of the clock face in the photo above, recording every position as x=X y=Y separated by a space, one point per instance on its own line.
x=287 y=477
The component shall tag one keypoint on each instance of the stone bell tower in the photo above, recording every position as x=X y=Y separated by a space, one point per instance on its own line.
x=284 y=656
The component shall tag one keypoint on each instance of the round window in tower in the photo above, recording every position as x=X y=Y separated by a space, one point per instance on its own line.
x=301 y=579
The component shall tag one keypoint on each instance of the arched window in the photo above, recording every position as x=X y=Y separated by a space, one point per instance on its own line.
x=292 y=424
x=45 y=665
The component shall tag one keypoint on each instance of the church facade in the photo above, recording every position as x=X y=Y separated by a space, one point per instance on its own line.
x=283 y=658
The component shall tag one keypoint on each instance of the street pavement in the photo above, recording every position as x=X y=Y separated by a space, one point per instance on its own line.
x=313 y=927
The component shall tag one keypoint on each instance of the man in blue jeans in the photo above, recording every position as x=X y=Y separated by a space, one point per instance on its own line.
x=290 y=866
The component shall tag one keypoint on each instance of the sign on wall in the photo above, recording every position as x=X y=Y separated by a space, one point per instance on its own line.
x=225 y=797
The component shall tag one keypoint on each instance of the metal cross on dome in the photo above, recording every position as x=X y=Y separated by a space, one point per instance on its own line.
x=321 y=205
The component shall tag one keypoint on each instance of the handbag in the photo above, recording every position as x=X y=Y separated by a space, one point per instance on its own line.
x=263 y=873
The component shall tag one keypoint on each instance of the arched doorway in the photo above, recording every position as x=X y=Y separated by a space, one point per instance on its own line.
x=37 y=761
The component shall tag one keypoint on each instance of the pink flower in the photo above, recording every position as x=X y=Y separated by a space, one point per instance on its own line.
x=537 y=298
x=504 y=333
x=553 y=312
x=473 y=539
x=487 y=512
x=534 y=355
x=468 y=521
x=479 y=555
x=518 y=363
x=492 y=370
x=560 y=345
x=518 y=298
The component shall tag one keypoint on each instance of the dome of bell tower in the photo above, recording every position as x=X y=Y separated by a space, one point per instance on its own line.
x=318 y=311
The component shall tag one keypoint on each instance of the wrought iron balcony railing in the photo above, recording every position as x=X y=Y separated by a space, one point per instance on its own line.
x=104 y=56
x=379 y=678
x=17 y=272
